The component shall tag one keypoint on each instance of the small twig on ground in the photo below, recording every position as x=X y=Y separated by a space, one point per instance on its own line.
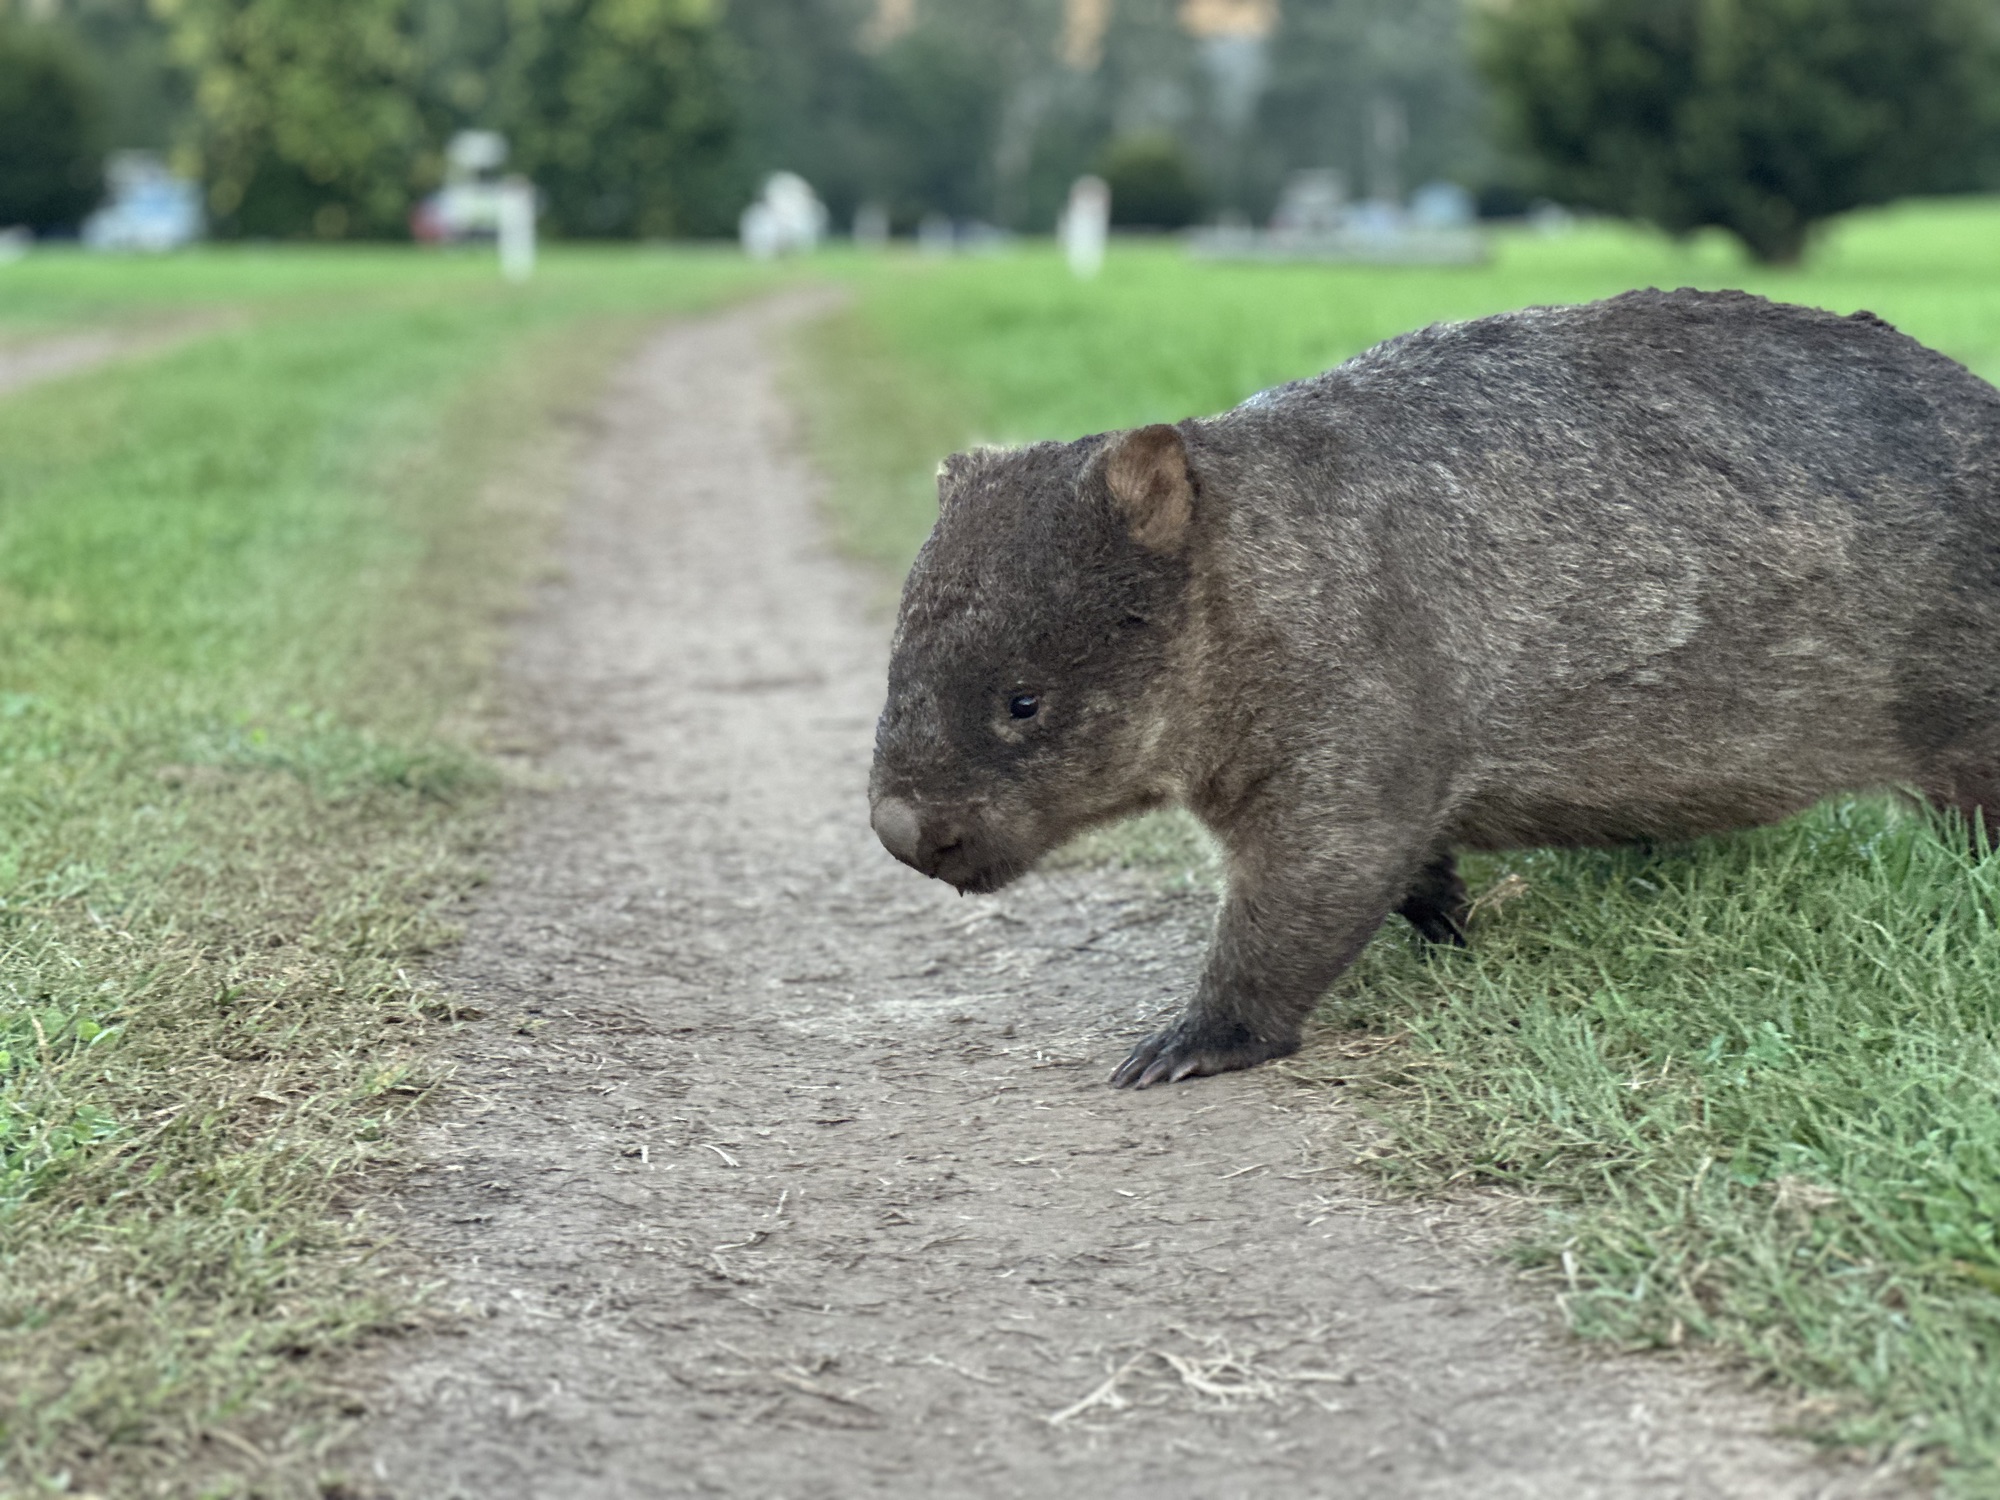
x=945 y=1364
x=1202 y=1376
x=812 y=1387
x=1105 y=1395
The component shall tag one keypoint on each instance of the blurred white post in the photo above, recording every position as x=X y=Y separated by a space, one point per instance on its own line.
x=786 y=219
x=1084 y=224
x=517 y=228
x=759 y=230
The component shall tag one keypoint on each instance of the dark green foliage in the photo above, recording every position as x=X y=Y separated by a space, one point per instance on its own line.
x=620 y=111
x=970 y=112
x=1152 y=184
x=307 y=120
x=329 y=120
x=51 y=130
x=1761 y=116
x=799 y=85
x=125 y=44
x=934 y=103
x=933 y=119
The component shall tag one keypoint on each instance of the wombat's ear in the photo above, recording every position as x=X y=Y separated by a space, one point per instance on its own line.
x=1147 y=471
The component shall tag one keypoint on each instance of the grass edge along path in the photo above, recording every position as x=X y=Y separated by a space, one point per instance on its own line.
x=1747 y=1088
x=235 y=834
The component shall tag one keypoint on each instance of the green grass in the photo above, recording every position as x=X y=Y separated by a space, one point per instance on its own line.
x=1752 y=1085
x=1757 y=1079
x=58 y=288
x=247 y=597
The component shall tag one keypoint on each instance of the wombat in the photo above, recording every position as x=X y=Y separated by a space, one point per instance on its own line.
x=1654 y=567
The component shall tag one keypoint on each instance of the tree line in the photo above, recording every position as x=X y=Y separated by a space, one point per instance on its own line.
x=1761 y=117
x=310 y=119
x=656 y=118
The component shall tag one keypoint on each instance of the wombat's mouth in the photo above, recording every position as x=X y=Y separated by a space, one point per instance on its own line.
x=978 y=866
x=970 y=856
x=984 y=880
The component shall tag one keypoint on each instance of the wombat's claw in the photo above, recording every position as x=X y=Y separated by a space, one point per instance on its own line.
x=1440 y=930
x=1171 y=1055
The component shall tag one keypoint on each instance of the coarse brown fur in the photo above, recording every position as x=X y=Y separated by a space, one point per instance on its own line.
x=1654 y=567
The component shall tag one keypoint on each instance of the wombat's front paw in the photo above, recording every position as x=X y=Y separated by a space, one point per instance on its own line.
x=1189 y=1050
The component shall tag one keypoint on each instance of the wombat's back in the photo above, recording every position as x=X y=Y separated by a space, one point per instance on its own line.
x=1652 y=382
x=1664 y=563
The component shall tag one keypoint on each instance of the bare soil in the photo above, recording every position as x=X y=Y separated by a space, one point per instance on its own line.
x=778 y=1171
x=30 y=361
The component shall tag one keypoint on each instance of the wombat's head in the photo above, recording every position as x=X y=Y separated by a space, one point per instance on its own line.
x=1030 y=694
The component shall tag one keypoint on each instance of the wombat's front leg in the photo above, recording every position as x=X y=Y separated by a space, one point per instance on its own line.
x=1279 y=943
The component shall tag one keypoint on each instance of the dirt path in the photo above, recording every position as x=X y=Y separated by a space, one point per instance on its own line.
x=780 y=1172
x=31 y=361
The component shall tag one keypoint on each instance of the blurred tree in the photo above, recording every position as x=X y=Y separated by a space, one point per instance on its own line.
x=622 y=113
x=328 y=119
x=990 y=108
x=459 y=46
x=932 y=101
x=52 y=135
x=922 y=106
x=1760 y=116
x=1152 y=184
x=123 y=45
x=307 y=114
x=1147 y=85
x=1382 y=91
x=800 y=85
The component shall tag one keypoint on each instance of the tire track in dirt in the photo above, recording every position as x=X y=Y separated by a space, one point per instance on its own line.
x=777 y=1171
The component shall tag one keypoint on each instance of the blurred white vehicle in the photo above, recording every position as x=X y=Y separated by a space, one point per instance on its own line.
x=1315 y=221
x=471 y=203
x=149 y=208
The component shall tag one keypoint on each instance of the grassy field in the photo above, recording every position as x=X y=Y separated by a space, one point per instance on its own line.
x=1752 y=1083
x=247 y=590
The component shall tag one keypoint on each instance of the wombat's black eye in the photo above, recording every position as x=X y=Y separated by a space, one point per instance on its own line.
x=1023 y=705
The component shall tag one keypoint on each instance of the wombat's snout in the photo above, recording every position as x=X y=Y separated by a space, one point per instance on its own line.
x=901 y=829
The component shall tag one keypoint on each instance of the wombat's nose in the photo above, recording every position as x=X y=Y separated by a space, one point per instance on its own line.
x=896 y=824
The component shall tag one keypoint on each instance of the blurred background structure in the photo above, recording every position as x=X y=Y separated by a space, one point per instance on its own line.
x=666 y=118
